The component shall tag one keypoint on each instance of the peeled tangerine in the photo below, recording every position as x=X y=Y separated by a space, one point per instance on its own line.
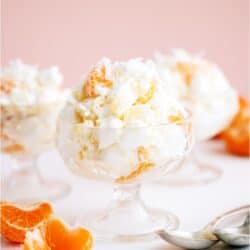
x=237 y=135
x=35 y=226
x=16 y=220
x=55 y=235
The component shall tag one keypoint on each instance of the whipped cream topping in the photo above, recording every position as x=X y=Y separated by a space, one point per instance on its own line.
x=121 y=118
x=202 y=87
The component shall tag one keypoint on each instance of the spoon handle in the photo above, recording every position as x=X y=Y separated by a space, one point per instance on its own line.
x=209 y=227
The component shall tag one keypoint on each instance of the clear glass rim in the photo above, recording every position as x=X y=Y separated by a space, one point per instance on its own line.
x=186 y=119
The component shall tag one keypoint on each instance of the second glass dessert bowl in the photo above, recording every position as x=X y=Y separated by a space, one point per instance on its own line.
x=26 y=132
x=126 y=157
x=30 y=101
x=201 y=86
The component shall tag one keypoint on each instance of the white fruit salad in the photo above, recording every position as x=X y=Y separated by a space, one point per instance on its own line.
x=121 y=117
x=200 y=86
x=30 y=100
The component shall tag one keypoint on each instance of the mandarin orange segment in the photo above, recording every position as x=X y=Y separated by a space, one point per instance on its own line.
x=144 y=165
x=6 y=86
x=141 y=168
x=147 y=97
x=175 y=118
x=237 y=135
x=55 y=235
x=14 y=148
x=16 y=220
x=79 y=117
x=186 y=70
x=95 y=77
x=59 y=236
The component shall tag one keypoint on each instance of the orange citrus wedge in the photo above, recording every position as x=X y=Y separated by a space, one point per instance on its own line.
x=55 y=235
x=16 y=220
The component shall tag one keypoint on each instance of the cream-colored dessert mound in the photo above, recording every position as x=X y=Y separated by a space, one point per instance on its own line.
x=121 y=117
x=202 y=87
x=30 y=100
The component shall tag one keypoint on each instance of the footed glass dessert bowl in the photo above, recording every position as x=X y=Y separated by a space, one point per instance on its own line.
x=201 y=87
x=26 y=132
x=30 y=101
x=126 y=157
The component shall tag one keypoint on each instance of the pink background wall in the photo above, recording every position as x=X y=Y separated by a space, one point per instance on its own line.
x=76 y=33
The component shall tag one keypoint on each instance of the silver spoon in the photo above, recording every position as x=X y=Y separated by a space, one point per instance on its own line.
x=236 y=236
x=197 y=240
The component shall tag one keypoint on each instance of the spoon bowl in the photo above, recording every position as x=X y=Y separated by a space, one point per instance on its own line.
x=208 y=237
x=195 y=240
x=236 y=236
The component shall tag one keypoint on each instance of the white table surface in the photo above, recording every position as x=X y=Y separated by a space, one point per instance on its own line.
x=194 y=205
